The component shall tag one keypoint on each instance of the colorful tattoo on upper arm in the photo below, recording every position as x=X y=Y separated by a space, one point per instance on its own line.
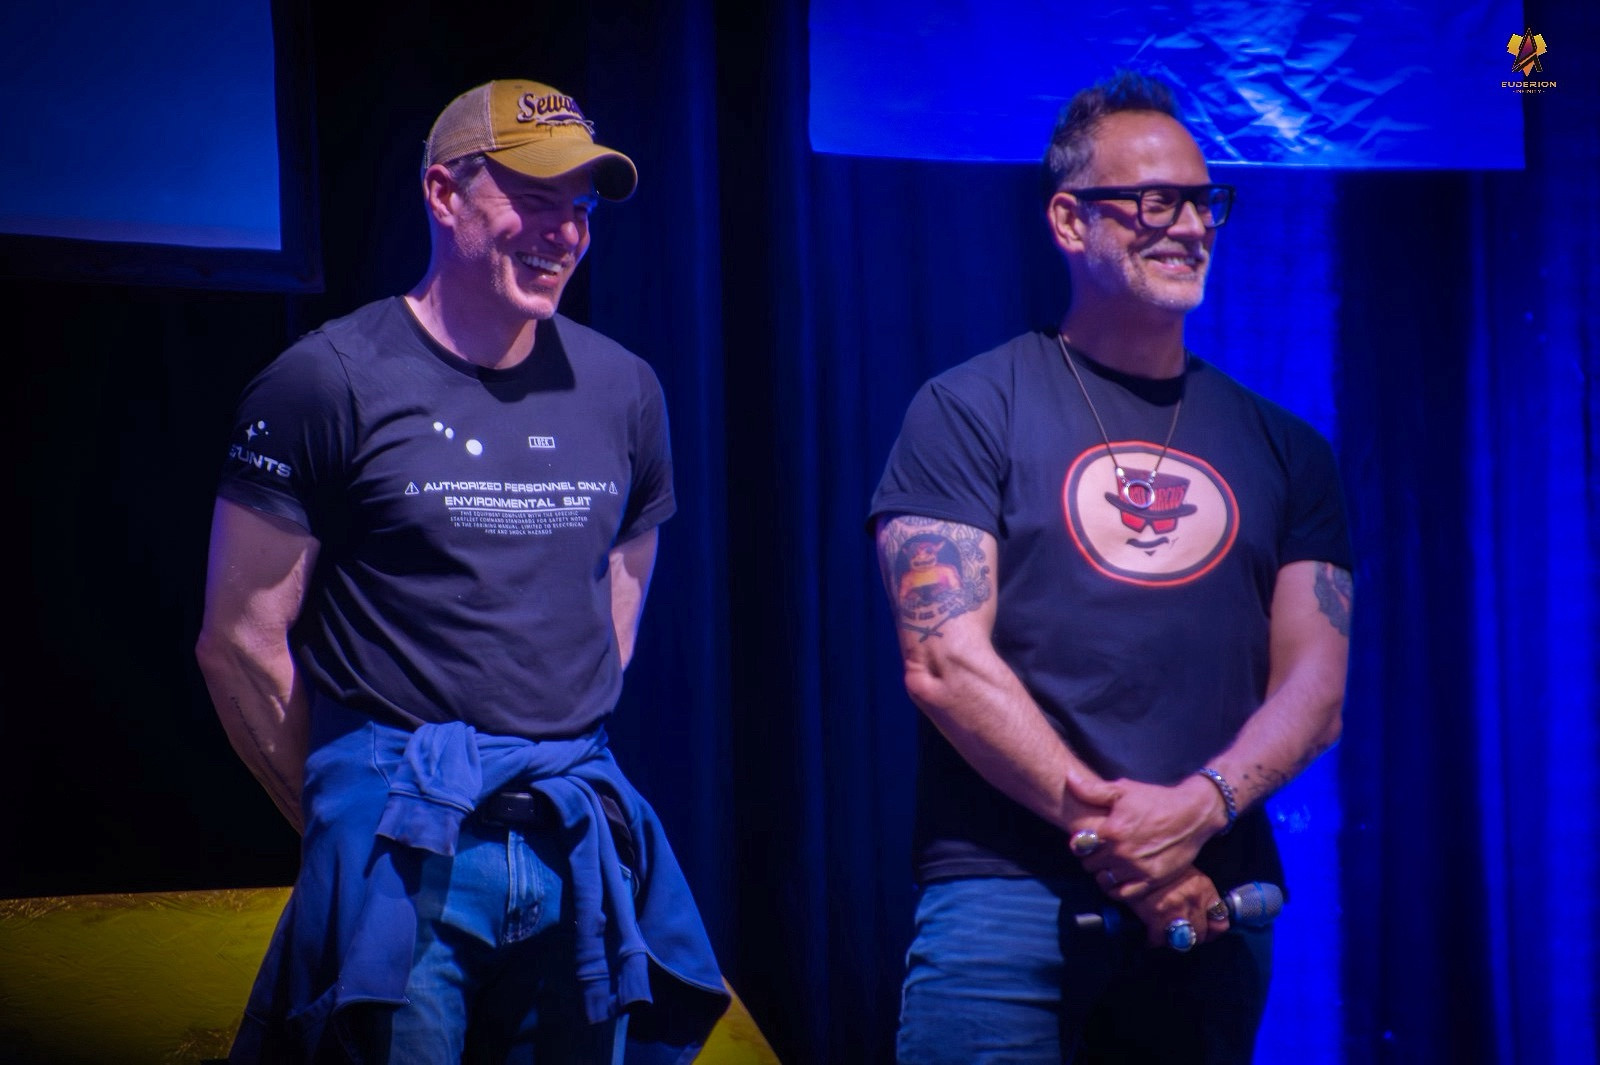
x=1335 y=595
x=933 y=570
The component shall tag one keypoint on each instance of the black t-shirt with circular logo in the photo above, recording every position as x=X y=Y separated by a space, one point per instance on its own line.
x=1141 y=631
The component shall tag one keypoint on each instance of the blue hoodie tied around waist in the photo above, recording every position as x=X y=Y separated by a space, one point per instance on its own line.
x=379 y=798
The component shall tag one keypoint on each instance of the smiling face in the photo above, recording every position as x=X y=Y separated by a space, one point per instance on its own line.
x=1115 y=259
x=521 y=237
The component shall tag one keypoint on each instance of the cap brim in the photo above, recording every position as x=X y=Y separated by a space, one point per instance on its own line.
x=615 y=176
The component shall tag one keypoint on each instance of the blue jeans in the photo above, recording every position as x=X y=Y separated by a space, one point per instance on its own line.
x=494 y=974
x=1000 y=972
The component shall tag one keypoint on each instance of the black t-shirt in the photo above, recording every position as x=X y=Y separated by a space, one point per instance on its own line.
x=1142 y=634
x=464 y=515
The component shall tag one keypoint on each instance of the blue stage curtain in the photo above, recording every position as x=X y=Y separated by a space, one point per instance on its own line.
x=1469 y=403
x=1438 y=325
x=655 y=286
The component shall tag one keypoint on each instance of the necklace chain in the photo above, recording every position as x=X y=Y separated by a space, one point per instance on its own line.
x=1125 y=484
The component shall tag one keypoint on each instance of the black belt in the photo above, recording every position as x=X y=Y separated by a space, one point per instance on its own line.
x=514 y=808
x=520 y=808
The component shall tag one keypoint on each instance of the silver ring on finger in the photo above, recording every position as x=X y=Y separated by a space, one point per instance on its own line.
x=1181 y=935
x=1084 y=842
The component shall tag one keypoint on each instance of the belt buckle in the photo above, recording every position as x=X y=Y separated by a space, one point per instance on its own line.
x=512 y=809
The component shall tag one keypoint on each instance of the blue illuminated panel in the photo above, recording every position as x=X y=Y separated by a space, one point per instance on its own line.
x=141 y=122
x=1354 y=83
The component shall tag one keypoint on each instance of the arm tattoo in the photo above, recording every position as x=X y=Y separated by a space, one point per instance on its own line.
x=933 y=570
x=1271 y=779
x=1335 y=594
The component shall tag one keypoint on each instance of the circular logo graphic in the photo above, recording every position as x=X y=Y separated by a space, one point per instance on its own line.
x=1157 y=528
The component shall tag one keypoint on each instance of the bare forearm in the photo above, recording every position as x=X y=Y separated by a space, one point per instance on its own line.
x=631 y=565
x=625 y=613
x=1302 y=715
x=1157 y=830
x=1295 y=726
x=992 y=722
x=256 y=578
x=262 y=704
x=940 y=579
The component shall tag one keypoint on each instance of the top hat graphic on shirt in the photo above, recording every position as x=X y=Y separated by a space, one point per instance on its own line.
x=1163 y=513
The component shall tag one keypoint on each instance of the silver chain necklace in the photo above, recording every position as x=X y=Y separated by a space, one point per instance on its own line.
x=1125 y=483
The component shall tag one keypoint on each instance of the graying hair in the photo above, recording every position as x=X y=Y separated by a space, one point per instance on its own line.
x=1072 y=144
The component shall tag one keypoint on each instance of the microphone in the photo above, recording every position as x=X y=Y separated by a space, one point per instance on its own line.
x=1253 y=905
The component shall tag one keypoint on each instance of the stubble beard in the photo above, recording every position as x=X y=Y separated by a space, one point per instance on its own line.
x=536 y=305
x=1117 y=266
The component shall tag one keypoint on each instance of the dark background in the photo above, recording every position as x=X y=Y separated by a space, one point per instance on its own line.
x=791 y=303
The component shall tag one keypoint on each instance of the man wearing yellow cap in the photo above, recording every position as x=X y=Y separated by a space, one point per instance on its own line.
x=434 y=532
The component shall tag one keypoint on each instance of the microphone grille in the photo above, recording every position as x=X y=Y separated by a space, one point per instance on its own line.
x=1255 y=905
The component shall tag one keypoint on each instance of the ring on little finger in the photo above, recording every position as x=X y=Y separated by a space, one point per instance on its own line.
x=1181 y=936
x=1084 y=842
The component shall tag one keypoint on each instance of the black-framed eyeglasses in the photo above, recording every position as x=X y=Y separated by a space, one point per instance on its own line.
x=1158 y=206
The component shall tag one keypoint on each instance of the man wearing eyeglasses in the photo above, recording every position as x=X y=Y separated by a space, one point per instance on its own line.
x=1148 y=637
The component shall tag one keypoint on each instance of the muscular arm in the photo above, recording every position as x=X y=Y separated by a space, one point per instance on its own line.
x=940 y=577
x=1157 y=831
x=631 y=565
x=1302 y=717
x=255 y=585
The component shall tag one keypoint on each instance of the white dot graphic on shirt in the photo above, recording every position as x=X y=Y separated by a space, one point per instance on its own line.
x=474 y=447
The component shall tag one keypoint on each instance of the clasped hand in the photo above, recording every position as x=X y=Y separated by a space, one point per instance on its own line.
x=1144 y=858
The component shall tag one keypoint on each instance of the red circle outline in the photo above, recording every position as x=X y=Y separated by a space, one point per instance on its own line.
x=1091 y=555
